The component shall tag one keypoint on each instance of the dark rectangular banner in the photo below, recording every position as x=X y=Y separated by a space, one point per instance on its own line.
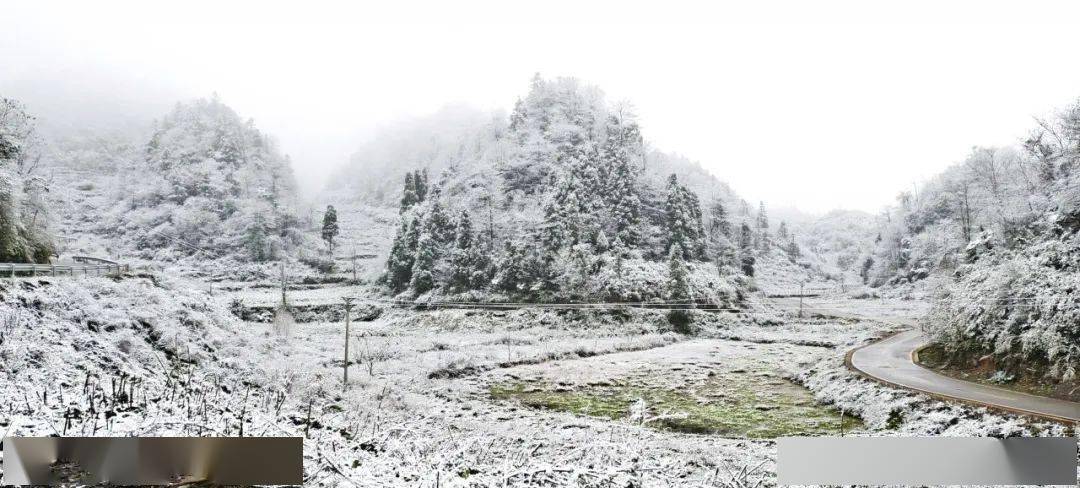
x=153 y=460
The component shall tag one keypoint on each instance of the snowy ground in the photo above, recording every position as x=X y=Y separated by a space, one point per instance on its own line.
x=94 y=356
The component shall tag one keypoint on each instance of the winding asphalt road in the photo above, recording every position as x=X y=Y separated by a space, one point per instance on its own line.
x=890 y=361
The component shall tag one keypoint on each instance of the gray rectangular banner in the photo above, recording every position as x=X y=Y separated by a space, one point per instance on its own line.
x=153 y=460
x=926 y=461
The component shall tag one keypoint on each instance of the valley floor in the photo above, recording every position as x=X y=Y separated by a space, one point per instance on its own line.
x=490 y=398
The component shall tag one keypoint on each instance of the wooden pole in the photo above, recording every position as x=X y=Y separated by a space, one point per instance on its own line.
x=800 y=299
x=348 y=307
x=282 y=283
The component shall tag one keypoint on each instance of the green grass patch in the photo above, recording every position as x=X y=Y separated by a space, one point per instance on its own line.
x=753 y=405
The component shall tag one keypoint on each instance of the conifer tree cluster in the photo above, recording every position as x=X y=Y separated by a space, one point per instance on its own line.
x=416 y=187
x=569 y=203
x=683 y=218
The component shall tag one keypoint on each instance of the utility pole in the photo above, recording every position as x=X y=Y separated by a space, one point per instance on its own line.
x=348 y=307
x=283 y=283
x=800 y=299
x=352 y=254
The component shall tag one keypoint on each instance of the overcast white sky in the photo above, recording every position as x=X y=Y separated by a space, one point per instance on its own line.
x=816 y=105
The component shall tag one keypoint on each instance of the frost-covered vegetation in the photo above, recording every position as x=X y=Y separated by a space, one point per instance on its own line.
x=1004 y=197
x=1019 y=305
x=999 y=230
x=199 y=185
x=25 y=234
x=564 y=201
x=148 y=355
x=211 y=181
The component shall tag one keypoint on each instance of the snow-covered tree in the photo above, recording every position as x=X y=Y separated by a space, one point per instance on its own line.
x=678 y=284
x=762 y=228
x=746 y=249
x=621 y=154
x=683 y=220
x=511 y=273
x=330 y=227
x=408 y=195
x=427 y=254
x=24 y=232
x=399 y=265
x=678 y=290
x=464 y=257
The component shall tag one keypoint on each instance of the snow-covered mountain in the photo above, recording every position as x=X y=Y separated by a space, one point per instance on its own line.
x=561 y=198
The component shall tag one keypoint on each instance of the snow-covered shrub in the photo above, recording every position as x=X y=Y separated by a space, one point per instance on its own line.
x=1021 y=306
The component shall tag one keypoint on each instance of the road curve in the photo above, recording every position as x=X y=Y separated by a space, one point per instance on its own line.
x=890 y=361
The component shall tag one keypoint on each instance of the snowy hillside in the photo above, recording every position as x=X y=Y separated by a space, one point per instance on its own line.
x=199 y=186
x=561 y=200
x=999 y=233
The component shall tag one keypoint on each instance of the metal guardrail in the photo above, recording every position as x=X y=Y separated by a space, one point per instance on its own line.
x=90 y=259
x=11 y=270
x=807 y=292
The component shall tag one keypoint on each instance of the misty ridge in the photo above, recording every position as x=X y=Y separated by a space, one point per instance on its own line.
x=559 y=200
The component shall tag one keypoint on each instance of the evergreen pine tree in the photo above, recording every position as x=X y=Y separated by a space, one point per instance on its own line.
x=400 y=262
x=693 y=208
x=511 y=274
x=718 y=222
x=420 y=181
x=425 y=258
x=438 y=222
x=255 y=240
x=792 y=249
x=463 y=263
x=602 y=242
x=678 y=284
x=678 y=290
x=562 y=214
x=676 y=218
x=719 y=236
x=782 y=232
x=683 y=220
x=746 y=245
x=330 y=227
x=762 y=235
x=409 y=196
x=619 y=154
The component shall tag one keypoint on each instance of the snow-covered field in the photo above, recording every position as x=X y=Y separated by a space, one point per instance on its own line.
x=153 y=356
